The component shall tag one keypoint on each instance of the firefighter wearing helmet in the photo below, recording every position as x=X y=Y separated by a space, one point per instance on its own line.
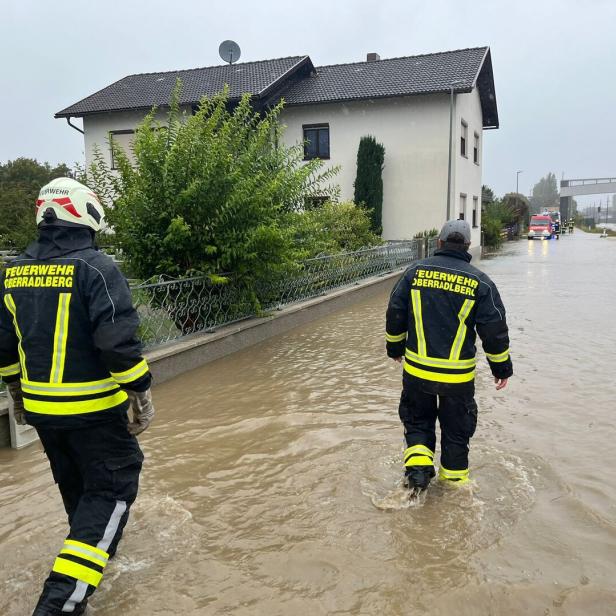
x=72 y=363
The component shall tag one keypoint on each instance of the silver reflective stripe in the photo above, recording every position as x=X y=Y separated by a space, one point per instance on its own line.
x=112 y=526
x=101 y=387
x=79 y=594
x=132 y=373
x=85 y=552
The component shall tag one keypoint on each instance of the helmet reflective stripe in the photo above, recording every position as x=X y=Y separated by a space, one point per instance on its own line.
x=71 y=202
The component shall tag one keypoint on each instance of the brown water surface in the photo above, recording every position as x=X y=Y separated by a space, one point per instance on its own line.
x=272 y=478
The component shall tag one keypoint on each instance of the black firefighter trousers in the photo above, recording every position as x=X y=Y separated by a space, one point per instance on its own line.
x=457 y=415
x=97 y=471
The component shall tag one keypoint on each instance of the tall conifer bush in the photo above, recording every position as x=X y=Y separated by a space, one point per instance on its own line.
x=369 y=180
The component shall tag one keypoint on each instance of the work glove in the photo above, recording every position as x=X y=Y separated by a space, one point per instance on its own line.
x=143 y=410
x=18 y=402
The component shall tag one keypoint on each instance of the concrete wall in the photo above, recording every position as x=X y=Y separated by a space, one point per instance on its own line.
x=415 y=133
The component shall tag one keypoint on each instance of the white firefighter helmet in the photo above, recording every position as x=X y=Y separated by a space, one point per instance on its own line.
x=69 y=202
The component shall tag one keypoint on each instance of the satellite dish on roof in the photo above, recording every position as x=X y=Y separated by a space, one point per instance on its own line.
x=229 y=51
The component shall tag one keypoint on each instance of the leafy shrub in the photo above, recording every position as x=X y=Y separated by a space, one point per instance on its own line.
x=331 y=228
x=207 y=193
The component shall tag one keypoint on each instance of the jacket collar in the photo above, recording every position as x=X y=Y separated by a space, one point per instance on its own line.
x=456 y=254
x=55 y=241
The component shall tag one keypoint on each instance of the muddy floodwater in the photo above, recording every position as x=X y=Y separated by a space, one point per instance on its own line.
x=271 y=485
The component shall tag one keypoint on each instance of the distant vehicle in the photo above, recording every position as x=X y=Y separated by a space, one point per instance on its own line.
x=540 y=227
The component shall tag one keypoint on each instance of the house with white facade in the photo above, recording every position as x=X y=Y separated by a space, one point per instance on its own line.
x=429 y=111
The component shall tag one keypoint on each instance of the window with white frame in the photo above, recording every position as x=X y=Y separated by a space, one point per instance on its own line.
x=122 y=140
x=475 y=210
x=476 y=150
x=463 y=138
x=462 y=215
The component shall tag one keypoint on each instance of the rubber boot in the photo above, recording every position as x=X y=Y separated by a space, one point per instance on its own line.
x=419 y=476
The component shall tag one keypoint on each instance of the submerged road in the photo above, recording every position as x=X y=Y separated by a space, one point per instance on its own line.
x=271 y=485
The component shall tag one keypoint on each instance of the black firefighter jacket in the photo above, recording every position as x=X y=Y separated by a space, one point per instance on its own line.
x=68 y=331
x=434 y=313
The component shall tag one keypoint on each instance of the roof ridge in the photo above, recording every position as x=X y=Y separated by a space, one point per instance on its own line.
x=420 y=55
x=202 y=68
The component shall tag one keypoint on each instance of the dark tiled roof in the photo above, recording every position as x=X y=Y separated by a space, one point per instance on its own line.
x=153 y=89
x=296 y=80
x=391 y=77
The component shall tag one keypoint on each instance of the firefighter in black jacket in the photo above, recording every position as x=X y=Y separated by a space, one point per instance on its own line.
x=433 y=313
x=72 y=363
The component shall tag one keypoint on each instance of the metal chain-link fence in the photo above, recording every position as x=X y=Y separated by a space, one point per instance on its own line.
x=431 y=245
x=172 y=308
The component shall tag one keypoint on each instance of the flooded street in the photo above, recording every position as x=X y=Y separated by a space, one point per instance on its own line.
x=271 y=484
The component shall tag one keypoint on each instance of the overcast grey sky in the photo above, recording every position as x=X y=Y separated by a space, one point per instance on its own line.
x=554 y=63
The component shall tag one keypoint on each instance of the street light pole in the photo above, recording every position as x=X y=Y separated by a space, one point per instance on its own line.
x=517 y=184
x=450 y=162
x=517 y=189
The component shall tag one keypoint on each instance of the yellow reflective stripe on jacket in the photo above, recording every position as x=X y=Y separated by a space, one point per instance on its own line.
x=418 y=450
x=128 y=376
x=49 y=407
x=77 y=571
x=11 y=370
x=439 y=377
x=395 y=337
x=60 y=337
x=458 y=341
x=419 y=328
x=441 y=362
x=68 y=389
x=10 y=304
x=500 y=357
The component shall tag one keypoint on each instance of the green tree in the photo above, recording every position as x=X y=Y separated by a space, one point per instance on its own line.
x=518 y=206
x=208 y=193
x=487 y=194
x=500 y=213
x=20 y=182
x=545 y=192
x=369 y=180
